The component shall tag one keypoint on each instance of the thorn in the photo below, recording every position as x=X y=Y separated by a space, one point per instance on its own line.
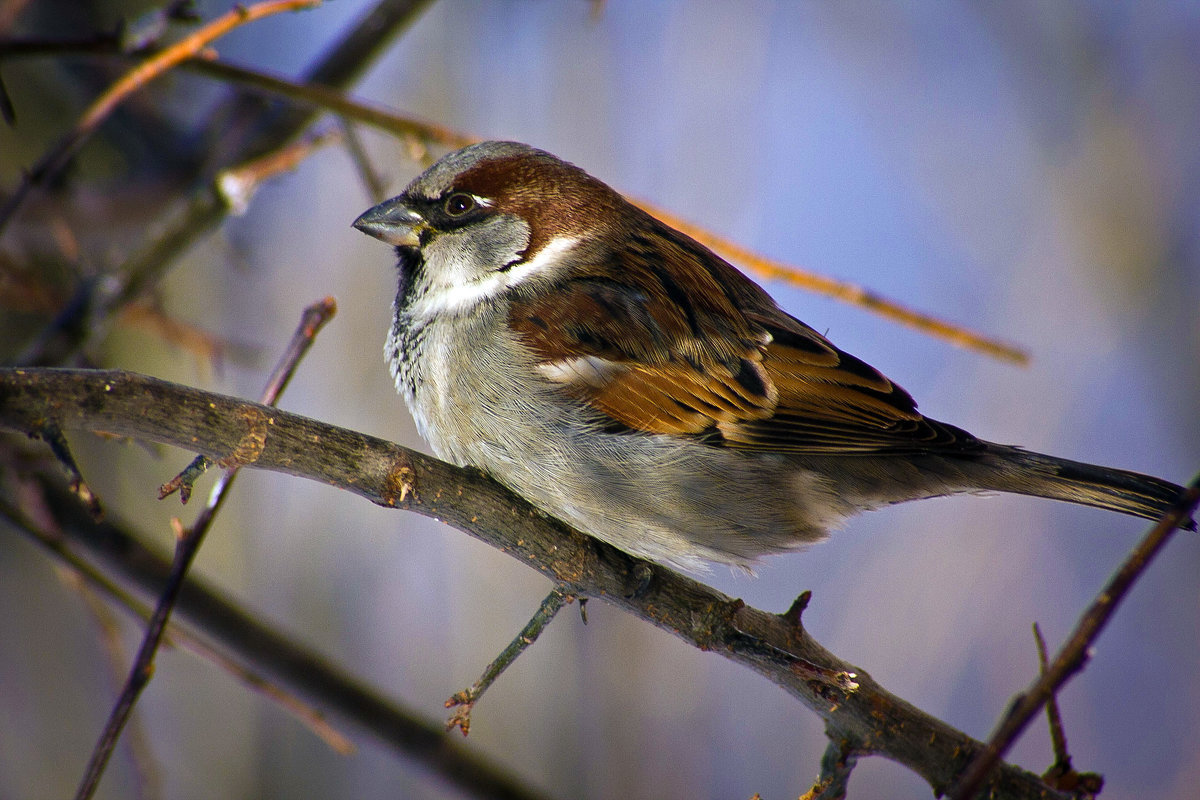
x=51 y=434
x=183 y=482
x=796 y=610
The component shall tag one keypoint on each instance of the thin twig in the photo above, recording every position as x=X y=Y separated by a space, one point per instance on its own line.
x=53 y=436
x=240 y=182
x=311 y=321
x=397 y=124
x=237 y=185
x=837 y=763
x=230 y=191
x=464 y=702
x=318 y=96
x=846 y=292
x=207 y=207
x=331 y=100
x=188 y=47
x=149 y=778
x=1058 y=736
x=376 y=188
x=338 y=66
x=1073 y=655
x=1062 y=774
x=187 y=545
x=54 y=542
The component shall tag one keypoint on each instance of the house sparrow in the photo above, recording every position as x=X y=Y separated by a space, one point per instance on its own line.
x=625 y=379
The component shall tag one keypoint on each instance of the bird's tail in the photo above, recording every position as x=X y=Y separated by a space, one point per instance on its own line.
x=1022 y=472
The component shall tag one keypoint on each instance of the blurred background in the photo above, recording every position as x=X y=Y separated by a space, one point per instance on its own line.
x=1028 y=169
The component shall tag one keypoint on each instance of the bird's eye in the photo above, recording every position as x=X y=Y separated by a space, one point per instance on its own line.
x=459 y=204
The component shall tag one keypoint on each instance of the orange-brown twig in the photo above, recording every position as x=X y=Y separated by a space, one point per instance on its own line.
x=188 y=47
x=331 y=100
x=846 y=292
x=237 y=185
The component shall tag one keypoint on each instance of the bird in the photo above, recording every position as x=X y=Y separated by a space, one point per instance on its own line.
x=625 y=379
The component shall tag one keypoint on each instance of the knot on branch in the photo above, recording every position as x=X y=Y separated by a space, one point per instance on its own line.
x=252 y=443
x=399 y=483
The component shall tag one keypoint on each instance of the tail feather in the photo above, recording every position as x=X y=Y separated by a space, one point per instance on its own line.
x=1024 y=472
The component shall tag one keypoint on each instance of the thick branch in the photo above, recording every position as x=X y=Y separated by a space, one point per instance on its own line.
x=231 y=431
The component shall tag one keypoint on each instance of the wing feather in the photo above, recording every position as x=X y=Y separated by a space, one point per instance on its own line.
x=673 y=340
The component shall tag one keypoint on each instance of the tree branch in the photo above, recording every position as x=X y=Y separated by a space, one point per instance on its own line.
x=49 y=165
x=259 y=646
x=230 y=431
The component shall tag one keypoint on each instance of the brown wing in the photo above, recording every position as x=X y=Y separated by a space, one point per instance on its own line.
x=653 y=347
x=830 y=402
x=700 y=350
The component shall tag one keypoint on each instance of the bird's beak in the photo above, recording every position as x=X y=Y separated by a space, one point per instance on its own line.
x=393 y=222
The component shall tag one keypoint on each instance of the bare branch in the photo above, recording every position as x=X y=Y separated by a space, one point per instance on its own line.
x=188 y=543
x=389 y=475
x=846 y=292
x=190 y=46
x=206 y=207
x=314 y=96
x=1061 y=774
x=464 y=702
x=274 y=657
x=1073 y=655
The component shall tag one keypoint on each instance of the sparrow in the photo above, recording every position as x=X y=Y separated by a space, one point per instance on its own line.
x=625 y=379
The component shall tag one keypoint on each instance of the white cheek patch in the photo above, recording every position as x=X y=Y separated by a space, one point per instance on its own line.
x=555 y=249
x=589 y=370
x=463 y=295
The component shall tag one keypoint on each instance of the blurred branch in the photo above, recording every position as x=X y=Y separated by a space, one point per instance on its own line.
x=389 y=475
x=276 y=658
x=238 y=185
x=320 y=99
x=846 y=292
x=188 y=47
x=401 y=125
x=206 y=207
x=187 y=545
x=339 y=67
x=64 y=518
x=148 y=780
x=98 y=301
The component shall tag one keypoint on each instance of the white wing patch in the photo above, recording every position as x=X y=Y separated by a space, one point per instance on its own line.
x=590 y=370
